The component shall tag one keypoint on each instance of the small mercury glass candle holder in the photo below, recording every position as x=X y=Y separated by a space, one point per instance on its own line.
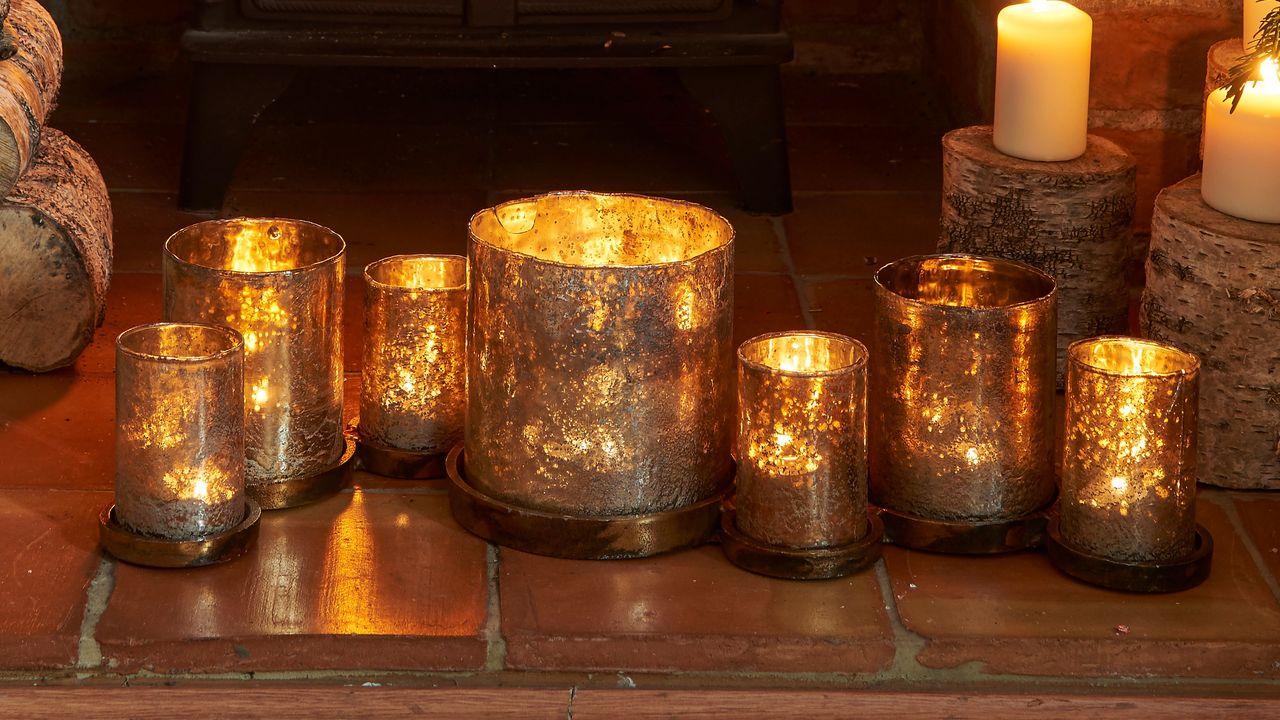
x=962 y=397
x=413 y=395
x=1126 y=516
x=800 y=507
x=179 y=490
x=278 y=282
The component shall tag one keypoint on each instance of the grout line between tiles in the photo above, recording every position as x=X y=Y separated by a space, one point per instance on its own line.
x=89 y=652
x=1228 y=507
x=906 y=644
x=780 y=232
x=496 y=654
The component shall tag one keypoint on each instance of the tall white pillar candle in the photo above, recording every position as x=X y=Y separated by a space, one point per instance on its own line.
x=1254 y=11
x=1242 y=150
x=1042 y=80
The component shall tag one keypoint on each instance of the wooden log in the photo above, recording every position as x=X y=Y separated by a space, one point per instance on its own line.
x=1071 y=219
x=1213 y=288
x=55 y=257
x=29 y=83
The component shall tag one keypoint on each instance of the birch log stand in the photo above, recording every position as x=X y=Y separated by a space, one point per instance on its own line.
x=1213 y=288
x=29 y=83
x=55 y=257
x=1070 y=219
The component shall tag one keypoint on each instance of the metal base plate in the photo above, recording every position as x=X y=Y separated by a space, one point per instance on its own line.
x=306 y=489
x=1156 y=577
x=582 y=538
x=395 y=463
x=796 y=563
x=964 y=537
x=138 y=549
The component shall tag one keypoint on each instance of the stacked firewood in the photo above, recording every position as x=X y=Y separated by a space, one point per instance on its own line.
x=55 y=217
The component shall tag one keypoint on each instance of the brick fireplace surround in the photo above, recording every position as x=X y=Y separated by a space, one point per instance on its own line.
x=375 y=602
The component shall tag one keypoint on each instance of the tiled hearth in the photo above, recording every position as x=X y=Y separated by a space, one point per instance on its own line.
x=379 y=585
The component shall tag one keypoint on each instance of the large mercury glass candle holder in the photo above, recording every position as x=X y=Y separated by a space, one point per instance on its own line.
x=179 y=490
x=1126 y=513
x=800 y=507
x=414 y=377
x=600 y=376
x=962 y=398
x=278 y=283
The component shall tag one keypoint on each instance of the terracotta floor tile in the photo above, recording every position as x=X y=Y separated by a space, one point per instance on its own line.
x=686 y=611
x=143 y=98
x=358 y=581
x=51 y=541
x=764 y=304
x=143 y=221
x=843 y=305
x=844 y=158
x=1016 y=614
x=134 y=299
x=856 y=233
x=132 y=156
x=57 y=430
x=1259 y=513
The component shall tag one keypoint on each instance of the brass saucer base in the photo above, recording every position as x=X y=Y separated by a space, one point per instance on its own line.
x=1153 y=577
x=800 y=563
x=396 y=463
x=582 y=538
x=138 y=549
x=307 y=488
x=965 y=537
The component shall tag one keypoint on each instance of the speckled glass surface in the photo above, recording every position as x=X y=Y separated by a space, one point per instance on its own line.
x=802 y=439
x=413 y=393
x=600 y=353
x=962 y=388
x=179 y=430
x=279 y=283
x=1129 y=456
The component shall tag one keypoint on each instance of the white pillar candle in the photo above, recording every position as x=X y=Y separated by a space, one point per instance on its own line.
x=1242 y=150
x=1042 y=80
x=1254 y=11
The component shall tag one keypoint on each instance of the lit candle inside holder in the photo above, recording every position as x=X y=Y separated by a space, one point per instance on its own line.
x=600 y=374
x=962 y=390
x=802 y=440
x=179 y=430
x=1242 y=150
x=279 y=284
x=1042 y=80
x=1129 y=461
x=413 y=394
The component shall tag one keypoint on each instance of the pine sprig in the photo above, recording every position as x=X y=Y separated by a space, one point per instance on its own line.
x=1266 y=45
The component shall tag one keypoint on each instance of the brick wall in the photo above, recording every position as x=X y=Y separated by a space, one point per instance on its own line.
x=116 y=39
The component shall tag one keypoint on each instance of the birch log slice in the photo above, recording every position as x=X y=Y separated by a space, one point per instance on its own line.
x=1213 y=288
x=55 y=257
x=1070 y=219
x=29 y=83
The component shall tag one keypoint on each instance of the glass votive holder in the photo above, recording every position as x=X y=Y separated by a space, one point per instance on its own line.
x=800 y=506
x=1126 y=510
x=962 y=402
x=413 y=395
x=278 y=283
x=179 y=487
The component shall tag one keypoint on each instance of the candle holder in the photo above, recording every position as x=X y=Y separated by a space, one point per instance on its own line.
x=962 y=401
x=279 y=283
x=179 y=490
x=800 y=507
x=414 y=381
x=1126 y=516
x=600 y=375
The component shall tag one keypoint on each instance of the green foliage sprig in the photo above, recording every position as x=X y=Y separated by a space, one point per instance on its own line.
x=1266 y=44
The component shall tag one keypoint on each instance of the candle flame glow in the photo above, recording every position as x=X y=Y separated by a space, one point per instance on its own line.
x=1270 y=82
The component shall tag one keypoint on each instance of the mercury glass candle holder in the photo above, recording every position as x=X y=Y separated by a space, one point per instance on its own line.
x=179 y=489
x=962 y=402
x=1129 y=457
x=278 y=283
x=600 y=366
x=414 y=377
x=802 y=457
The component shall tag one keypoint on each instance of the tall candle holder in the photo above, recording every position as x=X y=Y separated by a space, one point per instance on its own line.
x=414 y=376
x=279 y=283
x=600 y=375
x=962 y=401
x=1126 y=515
x=800 y=507
x=179 y=489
